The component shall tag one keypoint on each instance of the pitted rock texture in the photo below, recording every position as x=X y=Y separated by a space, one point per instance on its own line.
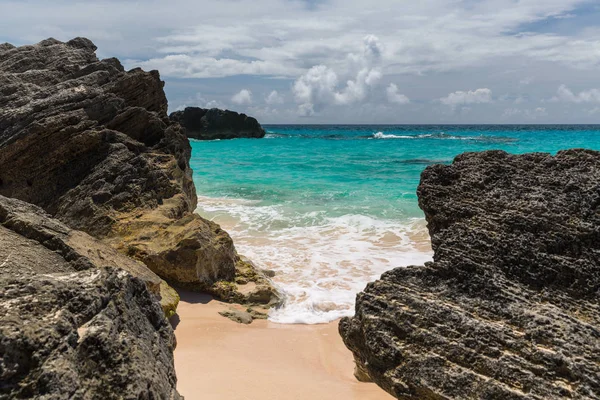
x=32 y=222
x=92 y=145
x=71 y=325
x=510 y=307
x=211 y=124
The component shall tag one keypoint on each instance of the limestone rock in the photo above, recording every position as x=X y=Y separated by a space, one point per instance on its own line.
x=510 y=307
x=71 y=325
x=211 y=124
x=93 y=146
x=241 y=317
x=32 y=222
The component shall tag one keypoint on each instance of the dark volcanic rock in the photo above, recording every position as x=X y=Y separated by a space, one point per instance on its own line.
x=71 y=327
x=210 y=124
x=92 y=145
x=510 y=307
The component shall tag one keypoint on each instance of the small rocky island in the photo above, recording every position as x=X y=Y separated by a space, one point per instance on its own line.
x=212 y=124
x=96 y=216
x=510 y=307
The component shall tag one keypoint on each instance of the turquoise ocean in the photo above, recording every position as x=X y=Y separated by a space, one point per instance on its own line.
x=331 y=207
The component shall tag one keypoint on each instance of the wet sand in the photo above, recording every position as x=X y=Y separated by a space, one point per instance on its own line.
x=218 y=359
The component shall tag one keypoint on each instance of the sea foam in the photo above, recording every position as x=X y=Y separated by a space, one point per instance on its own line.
x=321 y=262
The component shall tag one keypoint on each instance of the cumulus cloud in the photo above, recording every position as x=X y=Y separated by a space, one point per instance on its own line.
x=483 y=95
x=441 y=45
x=274 y=98
x=357 y=89
x=314 y=89
x=243 y=97
x=587 y=96
x=318 y=87
x=394 y=96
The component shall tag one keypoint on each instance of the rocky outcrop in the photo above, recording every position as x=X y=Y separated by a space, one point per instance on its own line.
x=73 y=323
x=211 y=124
x=510 y=307
x=32 y=222
x=93 y=146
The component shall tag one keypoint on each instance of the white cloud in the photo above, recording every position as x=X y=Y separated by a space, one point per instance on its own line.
x=314 y=89
x=357 y=89
x=483 y=95
x=199 y=101
x=319 y=86
x=587 y=96
x=194 y=66
x=274 y=98
x=394 y=96
x=243 y=97
x=436 y=45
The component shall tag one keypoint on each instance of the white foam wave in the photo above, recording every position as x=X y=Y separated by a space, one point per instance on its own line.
x=320 y=261
x=444 y=136
x=381 y=135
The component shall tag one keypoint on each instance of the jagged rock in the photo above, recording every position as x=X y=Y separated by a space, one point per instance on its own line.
x=510 y=307
x=211 y=124
x=92 y=145
x=71 y=325
x=32 y=222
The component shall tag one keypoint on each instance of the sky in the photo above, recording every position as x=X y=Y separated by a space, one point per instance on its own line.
x=346 y=61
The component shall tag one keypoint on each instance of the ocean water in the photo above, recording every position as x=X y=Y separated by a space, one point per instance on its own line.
x=330 y=208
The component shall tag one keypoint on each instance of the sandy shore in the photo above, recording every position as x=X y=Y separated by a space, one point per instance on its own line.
x=219 y=359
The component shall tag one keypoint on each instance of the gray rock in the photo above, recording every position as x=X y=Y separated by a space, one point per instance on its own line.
x=510 y=307
x=93 y=146
x=211 y=124
x=70 y=326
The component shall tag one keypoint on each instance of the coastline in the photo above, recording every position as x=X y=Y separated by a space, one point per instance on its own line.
x=217 y=358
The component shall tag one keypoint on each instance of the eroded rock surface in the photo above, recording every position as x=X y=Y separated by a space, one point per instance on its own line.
x=211 y=124
x=510 y=307
x=32 y=222
x=71 y=325
x=92 y=145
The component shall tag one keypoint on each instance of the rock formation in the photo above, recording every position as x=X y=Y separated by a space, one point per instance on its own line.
x=510 y=307
x=211 y=124
x=32 y=222
x=71 y=325
x=93 y=146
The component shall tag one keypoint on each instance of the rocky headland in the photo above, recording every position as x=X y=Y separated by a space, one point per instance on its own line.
x=211 y=124
x=510 y=307
x=97 y=214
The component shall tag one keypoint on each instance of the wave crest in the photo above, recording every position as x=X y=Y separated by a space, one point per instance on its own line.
x=445 y=136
